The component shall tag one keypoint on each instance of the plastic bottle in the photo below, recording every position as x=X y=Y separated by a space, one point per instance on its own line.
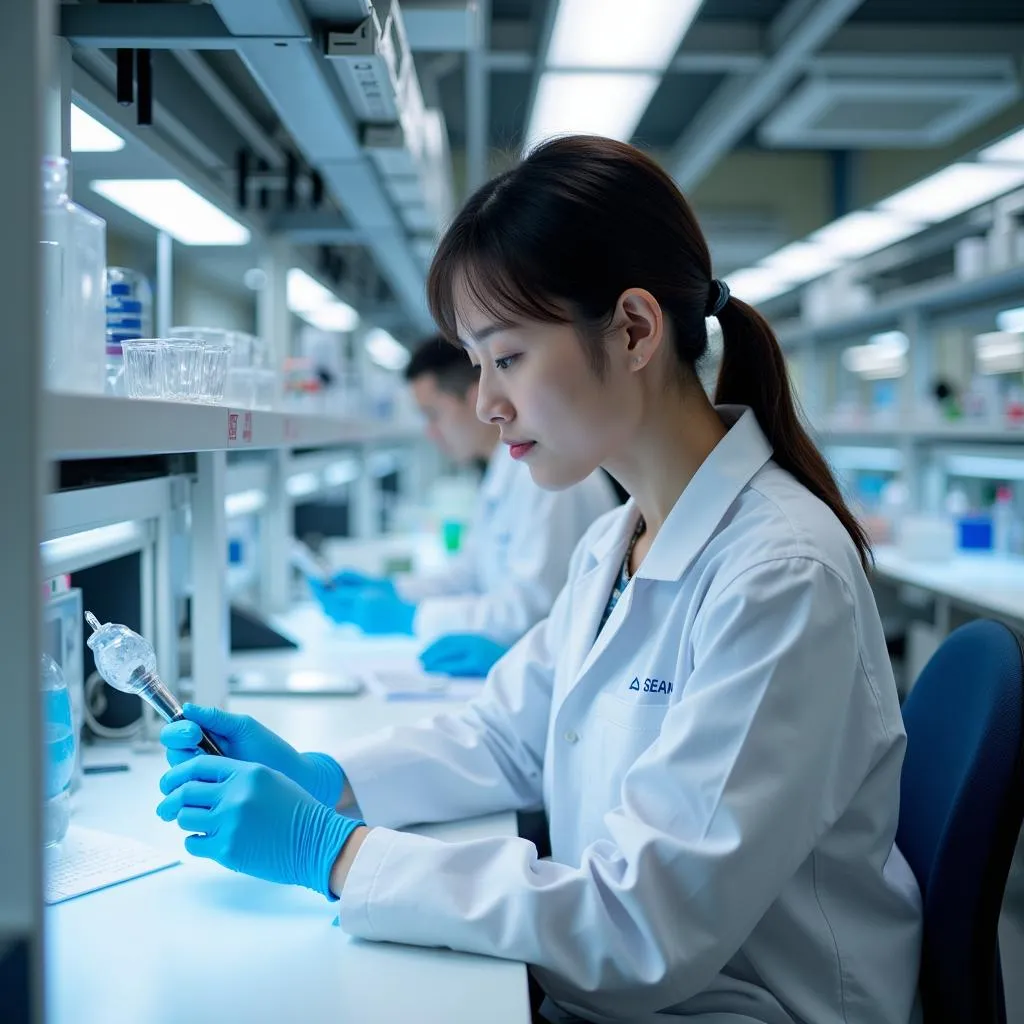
x=83 y=368
x=74 y=254
x=56 y=234
x=1002 y=521
x=60 y=745
x=129 y=316
x=894 y=503
x=957 y=503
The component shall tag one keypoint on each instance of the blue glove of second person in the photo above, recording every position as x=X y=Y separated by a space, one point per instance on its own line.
x=373 y=610
x=461 y=654
x=356 y=580
x=253 y=819
x=243 y=738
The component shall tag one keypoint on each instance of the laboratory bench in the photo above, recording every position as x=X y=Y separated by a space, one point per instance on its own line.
x=982 y=584
x=199 y=943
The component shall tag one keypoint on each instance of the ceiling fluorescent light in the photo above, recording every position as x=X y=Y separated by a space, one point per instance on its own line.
x=864 y=232
x=301 y=485
x=985 y=467
x=334 y=316
x=755 y=284
x=90 y=136
x=385 y=351
x=637 y=34
x=1010 y=150
x=883 y=357
x=591 y=103
x=244 y=503
x=171 y=206
x=873 y=365
x=1011 y=320
x=892 y=341
x=304 y=292
x=999 y=352
x=342 y=472
x=317 y=305
x=801 y=261
x=954 y=190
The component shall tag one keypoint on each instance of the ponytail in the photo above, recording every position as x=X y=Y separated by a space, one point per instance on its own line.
x=579 y=221
x=753 y=373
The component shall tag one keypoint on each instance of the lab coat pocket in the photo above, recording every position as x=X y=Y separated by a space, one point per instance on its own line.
x=633 y=716
x=621 y=733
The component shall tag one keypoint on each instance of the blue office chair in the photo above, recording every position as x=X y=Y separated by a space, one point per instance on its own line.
x=962 y=804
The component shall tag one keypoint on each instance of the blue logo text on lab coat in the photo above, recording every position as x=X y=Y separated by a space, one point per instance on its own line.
x=651 y=685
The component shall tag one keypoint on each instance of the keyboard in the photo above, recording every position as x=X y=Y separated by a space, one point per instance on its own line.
x=88 y=860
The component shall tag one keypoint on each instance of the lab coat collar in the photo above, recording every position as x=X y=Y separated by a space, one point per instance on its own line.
x=690 y=524
x=708 y=496
x=592 y=589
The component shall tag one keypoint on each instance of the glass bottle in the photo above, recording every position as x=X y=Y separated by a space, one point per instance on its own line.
x=60 y=746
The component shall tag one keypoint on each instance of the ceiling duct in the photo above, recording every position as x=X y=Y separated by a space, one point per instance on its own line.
x=307 y=97
x=738 y=238
x=373 y=63
x=407 y=143
x=884 y=102
x=416 y=171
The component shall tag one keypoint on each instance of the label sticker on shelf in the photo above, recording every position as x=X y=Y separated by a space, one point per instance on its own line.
x=232 y=427
x=247 y=428
x=291 y=429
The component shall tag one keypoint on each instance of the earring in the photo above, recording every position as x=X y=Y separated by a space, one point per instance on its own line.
x=638 y=361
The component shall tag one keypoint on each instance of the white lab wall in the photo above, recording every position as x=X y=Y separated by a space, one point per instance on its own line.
x=198 y=300
x=202 y=302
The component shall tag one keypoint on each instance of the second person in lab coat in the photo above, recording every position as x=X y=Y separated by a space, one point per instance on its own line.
x=516 y=555
x=708 y=714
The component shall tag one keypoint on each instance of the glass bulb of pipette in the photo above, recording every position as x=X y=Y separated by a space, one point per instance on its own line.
x=128 y=662
x=125 y=660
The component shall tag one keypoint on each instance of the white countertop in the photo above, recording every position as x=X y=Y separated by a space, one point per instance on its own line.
x=989 y=583
x=201 y=944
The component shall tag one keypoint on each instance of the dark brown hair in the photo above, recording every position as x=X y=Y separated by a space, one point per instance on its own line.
x=450 y=366
x=562 y=235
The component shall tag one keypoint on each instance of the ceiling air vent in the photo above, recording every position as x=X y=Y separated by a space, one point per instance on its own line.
x=374 y=64
x=893 y=105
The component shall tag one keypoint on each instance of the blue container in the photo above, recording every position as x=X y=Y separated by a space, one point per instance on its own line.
x=974 y=533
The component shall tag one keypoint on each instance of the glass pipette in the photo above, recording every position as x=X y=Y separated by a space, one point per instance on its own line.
x=127 y=662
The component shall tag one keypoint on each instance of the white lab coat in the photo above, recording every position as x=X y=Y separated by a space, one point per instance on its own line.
x=720 y=771
x=516 y=556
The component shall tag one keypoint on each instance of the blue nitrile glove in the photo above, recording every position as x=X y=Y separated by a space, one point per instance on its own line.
x=336 y=602
x=243 y=738
x=352 y=579
x=461 y=654
x=253 y=819
x=373 y=611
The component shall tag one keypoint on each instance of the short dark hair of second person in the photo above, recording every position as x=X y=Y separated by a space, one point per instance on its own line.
x=448 y=363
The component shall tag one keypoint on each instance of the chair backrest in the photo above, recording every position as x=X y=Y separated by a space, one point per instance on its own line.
x=962 y=804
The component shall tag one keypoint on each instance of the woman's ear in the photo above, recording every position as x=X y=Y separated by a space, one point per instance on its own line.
x=640 y=314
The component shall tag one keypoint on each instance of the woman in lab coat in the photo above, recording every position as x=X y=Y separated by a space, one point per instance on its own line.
x=708 y=715
x=516 y=555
